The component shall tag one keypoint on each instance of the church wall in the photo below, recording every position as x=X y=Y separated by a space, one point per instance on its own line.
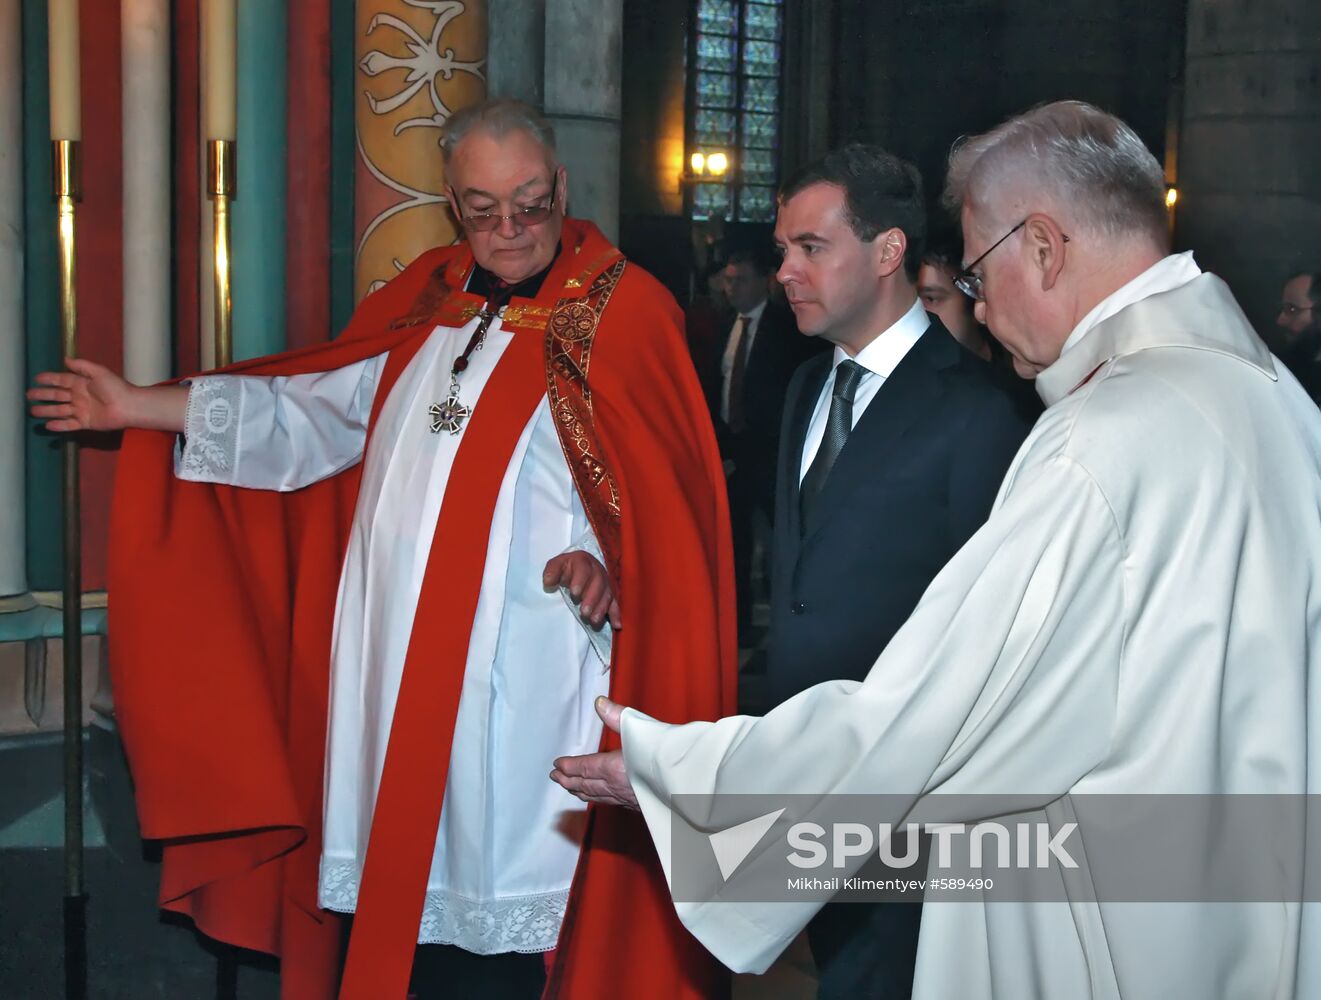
x=583 y=101
x=911 y=75
x=914 y=76
x=1250 y=152
x=653 y=229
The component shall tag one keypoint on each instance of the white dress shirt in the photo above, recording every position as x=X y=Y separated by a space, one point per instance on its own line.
x=749 y=332
x=880 y=358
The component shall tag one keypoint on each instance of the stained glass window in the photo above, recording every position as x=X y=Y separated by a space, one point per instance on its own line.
x=736 y=106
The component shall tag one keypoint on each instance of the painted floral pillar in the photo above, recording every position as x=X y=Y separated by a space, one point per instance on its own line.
x=419 y=61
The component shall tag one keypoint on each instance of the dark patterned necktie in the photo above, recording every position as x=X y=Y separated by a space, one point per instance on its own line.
x=742 y=349
x=838 y=424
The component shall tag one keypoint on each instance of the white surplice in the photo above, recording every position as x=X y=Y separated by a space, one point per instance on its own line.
x=509 y=838
x=1140 y=614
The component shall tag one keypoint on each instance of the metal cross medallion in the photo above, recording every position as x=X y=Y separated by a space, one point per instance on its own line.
x=449 y=415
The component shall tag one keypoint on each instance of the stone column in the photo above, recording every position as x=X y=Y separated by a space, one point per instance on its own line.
x=145 y=45
x=1249 y=159
x=13 y=575
x=584 y=42
x=516 y=50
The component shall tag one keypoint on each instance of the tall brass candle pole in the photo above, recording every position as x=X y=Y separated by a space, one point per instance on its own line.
x=221 y=188
x=68 y=191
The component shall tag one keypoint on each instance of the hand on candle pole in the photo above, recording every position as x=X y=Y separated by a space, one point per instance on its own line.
x=90 y=397
x=599 y=777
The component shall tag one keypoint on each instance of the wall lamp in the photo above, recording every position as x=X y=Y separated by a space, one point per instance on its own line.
x=707 y=166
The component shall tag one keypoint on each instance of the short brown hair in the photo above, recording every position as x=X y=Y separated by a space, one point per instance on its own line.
x=881 y=192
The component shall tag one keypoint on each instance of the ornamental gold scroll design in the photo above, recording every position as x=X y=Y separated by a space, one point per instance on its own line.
x=419 y=61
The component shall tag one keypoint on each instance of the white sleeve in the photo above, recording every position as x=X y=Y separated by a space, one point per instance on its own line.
x=1004 y=679
x=276 y=433
x=584 y=540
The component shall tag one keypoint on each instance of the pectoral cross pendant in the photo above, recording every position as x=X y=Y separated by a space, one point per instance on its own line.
x=449 y=415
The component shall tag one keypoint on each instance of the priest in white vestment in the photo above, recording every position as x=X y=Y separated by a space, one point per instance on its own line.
x=1141 y=614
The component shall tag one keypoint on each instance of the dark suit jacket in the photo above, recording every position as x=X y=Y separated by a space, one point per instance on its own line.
x=916 y=478
x=777 y=351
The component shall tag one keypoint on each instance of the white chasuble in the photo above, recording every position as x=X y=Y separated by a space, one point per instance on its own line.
x=1140 y=615
x=509 y=838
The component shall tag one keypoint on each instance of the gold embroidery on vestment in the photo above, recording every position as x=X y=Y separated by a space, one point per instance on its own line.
x=570 y=335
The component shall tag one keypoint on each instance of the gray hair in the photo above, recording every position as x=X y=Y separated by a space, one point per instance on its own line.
x=497 y=116
x=1087 y=162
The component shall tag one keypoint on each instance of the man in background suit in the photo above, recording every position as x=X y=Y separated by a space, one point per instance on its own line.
x=892 y=451
x=1299 y=320
x=761 y=351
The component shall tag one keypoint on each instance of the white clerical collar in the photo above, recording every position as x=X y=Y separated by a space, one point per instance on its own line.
x=884 y=353
x=1200 y=314
x=1165 y=275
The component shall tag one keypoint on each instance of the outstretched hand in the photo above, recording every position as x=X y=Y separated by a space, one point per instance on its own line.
x=588 y=584
x=87 y=397
x=90 y=397
x=599 y=777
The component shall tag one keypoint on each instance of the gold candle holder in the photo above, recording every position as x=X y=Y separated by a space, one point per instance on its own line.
x=222 y=188
x=67 y=183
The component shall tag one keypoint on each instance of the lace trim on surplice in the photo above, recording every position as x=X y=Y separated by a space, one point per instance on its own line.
x=482 y=926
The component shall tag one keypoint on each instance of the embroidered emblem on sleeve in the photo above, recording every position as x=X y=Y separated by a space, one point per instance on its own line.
x=211 y=425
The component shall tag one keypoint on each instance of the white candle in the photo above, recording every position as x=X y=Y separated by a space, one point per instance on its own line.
x=145 y=58
x=66 y=120
x=218 y=69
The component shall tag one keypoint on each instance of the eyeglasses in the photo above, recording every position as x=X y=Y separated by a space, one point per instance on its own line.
x=1291 y=310
x=971 y=284
x=533 y=215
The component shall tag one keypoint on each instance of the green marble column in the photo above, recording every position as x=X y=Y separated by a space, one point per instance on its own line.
x=13 y=558
x=259 y=210
x=41 y=304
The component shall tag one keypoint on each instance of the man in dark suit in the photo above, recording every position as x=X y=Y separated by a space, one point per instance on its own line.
x=1299 y=320
x=892 y=451
x=761 y=350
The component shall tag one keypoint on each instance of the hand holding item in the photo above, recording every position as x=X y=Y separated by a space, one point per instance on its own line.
x=588 y=584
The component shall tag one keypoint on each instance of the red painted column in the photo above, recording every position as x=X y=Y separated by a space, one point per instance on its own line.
x=307 y=250
x=187 y=187
x=100 y=256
